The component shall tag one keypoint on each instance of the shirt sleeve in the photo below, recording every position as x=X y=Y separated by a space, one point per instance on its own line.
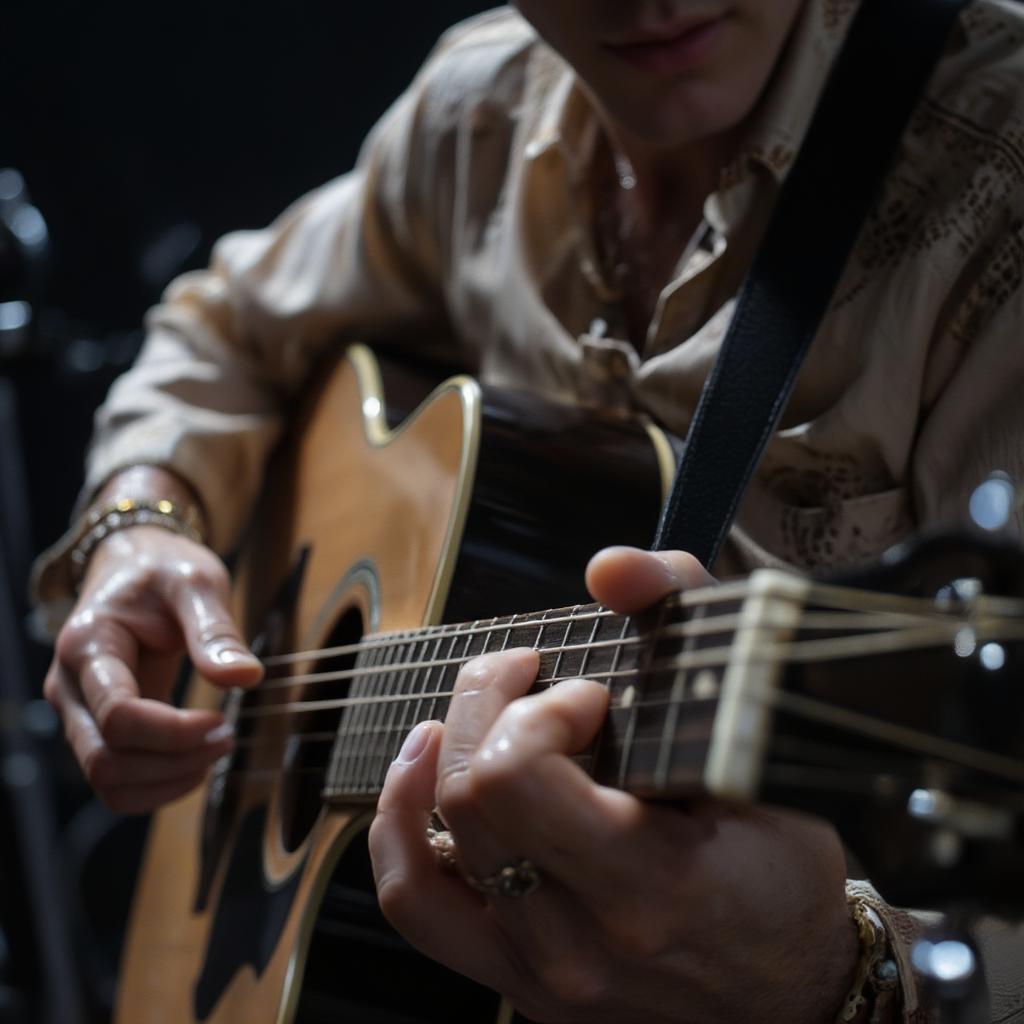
x=363 y=257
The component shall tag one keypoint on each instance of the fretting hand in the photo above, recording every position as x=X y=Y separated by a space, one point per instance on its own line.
x=643 y=913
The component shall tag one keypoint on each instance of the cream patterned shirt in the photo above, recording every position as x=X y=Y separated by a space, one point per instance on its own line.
x=465 y=232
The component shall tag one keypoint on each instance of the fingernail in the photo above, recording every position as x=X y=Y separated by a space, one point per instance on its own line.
x=414 y=745
x=231 y=656
x=224 y=731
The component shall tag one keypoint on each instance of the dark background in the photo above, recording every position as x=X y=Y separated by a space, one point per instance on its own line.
x=142 y=132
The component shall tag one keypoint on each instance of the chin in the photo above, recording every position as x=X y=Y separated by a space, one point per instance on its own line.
x=672 y=122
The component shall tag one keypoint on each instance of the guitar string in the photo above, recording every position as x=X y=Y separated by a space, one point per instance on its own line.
x=903 y=737
x=694 y=628
x=908 y=607
x=829 y=649
x=781 y=651
x=839 y=598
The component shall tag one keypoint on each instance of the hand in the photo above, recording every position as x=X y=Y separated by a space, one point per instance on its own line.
x=644 y=913
x=149 y=595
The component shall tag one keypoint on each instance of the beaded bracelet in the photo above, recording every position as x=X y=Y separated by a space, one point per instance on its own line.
x=107 y=518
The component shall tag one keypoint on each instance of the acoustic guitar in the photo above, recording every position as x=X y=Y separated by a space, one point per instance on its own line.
x=399 y=537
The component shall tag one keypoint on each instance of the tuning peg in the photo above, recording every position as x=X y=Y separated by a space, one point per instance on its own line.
x=949 y=965
x=992 y=503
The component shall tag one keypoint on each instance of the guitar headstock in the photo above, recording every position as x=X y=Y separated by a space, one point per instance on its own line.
x=901 y=719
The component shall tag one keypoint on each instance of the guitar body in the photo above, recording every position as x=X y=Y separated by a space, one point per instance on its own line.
x=255 y=903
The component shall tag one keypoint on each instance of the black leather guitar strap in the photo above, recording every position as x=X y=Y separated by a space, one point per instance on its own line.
x=886 y=60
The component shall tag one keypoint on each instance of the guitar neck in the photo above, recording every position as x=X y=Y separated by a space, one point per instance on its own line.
x=645 y=746
x=695 y=687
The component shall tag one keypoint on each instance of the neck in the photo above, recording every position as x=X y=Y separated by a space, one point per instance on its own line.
x=667 y=181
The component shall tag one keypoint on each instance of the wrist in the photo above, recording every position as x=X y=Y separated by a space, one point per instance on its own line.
x=149 y=483
x=142 y=496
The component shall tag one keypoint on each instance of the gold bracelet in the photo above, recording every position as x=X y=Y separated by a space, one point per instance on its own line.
x=107 y=518
x=877 y=977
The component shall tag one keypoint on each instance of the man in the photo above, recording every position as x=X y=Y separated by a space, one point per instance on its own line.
x=573 y=194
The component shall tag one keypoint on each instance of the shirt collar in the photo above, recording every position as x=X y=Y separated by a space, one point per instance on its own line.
x=783 y=116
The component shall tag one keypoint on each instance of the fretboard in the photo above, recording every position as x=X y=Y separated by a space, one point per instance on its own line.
x=647 y=744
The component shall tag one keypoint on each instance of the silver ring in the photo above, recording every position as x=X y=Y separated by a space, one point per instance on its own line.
x=514 y=881
x=441 y=840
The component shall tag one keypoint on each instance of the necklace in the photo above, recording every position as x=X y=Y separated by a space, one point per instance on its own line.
x=636 y=254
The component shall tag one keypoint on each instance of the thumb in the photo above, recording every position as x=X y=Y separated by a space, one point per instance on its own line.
x=628 y=580
x=396 y=837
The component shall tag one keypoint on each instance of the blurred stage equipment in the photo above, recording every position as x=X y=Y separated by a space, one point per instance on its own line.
x=24 y=256
x=38 y=978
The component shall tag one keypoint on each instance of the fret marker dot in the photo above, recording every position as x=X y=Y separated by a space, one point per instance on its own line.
x=628 y=696
x=705 y=685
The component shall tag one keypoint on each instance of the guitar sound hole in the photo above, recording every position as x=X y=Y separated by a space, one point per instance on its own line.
x=308 y=751
x=360 y=971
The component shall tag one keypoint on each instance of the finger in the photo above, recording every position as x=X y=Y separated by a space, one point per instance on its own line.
x=141 y=799
x=135 y=724
x=110 y=771
x=533 y=950
x=97 y=662
x=128 y=721
x=158 y=673
x=628 y=580
x=484 y=688
x=433 y=909
x=213 y=640
x=523 y=777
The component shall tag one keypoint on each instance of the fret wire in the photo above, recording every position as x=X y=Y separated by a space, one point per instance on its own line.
x=507 y=638
x=589 y=753
x=417 y=711
x=394 y=686
x=565 y=641
x=357 y=752
x=349 y=720
x=348 y=750
x=538 y=644
x=405 y=685
x=600 y=739
x=364 y=776
x=591 y=645
x=664 y=763
x=410 y=711
x=375 y=685
x=627 y=745
x=440 y=677
x=465 y=657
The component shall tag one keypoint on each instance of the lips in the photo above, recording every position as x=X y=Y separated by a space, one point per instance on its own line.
x=669 y=49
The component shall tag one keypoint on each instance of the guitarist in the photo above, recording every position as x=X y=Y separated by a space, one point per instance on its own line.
x=573 y=191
